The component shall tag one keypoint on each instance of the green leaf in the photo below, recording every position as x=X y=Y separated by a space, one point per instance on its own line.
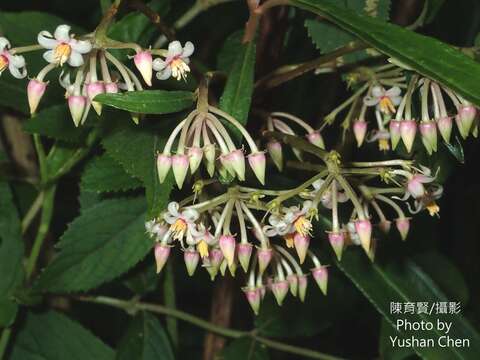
x=237 y=96
x=149 y=101
x=102 y=243
x=145 y=340
x=104 y=174
x=426 y=55
x=406 y=282
x=229 y=51
x=53 y=336
x=11 y=254
x=245 y=349
x=385 y=347
x=56 y=122
x=22 y=28
x=134 y=148
x=328 y=37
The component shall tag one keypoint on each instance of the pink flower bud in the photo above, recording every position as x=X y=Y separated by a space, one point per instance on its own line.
x=93 y=89
x=337 y=241
x=253 y=296
x=428 y=130
x=180 y=167
x=403 y=226
x=210 y=154
x=385 y=226
x=302 y=287
x=320 y=274
x=301 y=243
x=144 y=63
x=234 y=162
x=111 y=88
x=395 y=134
x=464 y=119
x=293 y=284
x=35 y=91
x=77 y=104
x=233 y=267
x=164 y=163
x=257 y=162
x=275 y=150
x=280 y=290
x=227 y=245
x=244 y=252
x=408 y=129
x=195 y=155
x=445 y=127
x=316 y=139
x=364 y=231
x=212 y=264
x=264 y=258
x=161 y=255
x=359 y=130
x=191 y=258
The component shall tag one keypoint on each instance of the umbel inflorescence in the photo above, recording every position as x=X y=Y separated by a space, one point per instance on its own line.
x=226 y=223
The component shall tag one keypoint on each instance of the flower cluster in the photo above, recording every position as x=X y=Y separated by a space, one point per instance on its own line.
x=396 y=118
x=90 y=69
x=202 y=135
x=254 y=229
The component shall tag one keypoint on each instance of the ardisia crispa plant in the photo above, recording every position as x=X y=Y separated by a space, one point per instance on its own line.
x=238 y=180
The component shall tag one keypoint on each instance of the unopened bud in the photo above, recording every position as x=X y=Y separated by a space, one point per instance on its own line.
x=264 y=258
x=428 y=130
x=301 y=243
x=316 y=139
x=227 y=245
x=395 y=134
x=337 y=241
x=244 y=252
x=144 y=63
x=280 y=290
x=359 y=130
x=191 y=258
x=293 y=283
x=111 y=88
x=180 y=167
x=302 y=287
x=320 y=274
x=464 y=119
x=161 y=255
x=77 y=104
x=364 y=231
x=257 y=162
x=253 y=296
x=275 y=150
x=445 y=127
x=195 y=155
x=35 y=91
x=93 y=90
x=164 y=163
x=408 y=130
x=403 y=226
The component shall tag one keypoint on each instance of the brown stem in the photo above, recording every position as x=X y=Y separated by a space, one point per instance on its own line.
x=154 y=17
x=281 y=76
x=255 y=15
x=221 y=311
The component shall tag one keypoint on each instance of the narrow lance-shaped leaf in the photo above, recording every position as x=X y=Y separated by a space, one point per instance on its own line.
x=104 y=242
x=149 y=101
x=426 y=55
x=237 y=96
x=408 y=283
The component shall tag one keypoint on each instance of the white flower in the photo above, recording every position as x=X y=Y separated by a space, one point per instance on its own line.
x=14 y=63
x=155 y=229
x=278 y=226
x=385 y=100
x=297 y=218
x=352 y=234
x=176 y=61
x=181 y=223
x=326 y=199
x=63 y=48
x=202 y=238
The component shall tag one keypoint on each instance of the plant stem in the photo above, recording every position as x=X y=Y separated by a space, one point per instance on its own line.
x=220 y=330
x=32 y=212
x=41 y=156
x=154 y=17
x=47 y=212
x=170 y=302
x=6 y=333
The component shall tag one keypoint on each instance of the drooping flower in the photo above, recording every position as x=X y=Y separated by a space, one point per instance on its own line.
x=384 y=100
x=298 y=218
x=176 y=61
x=63 y=47
x=14 y=63
x=181 y=223
x=326 y=198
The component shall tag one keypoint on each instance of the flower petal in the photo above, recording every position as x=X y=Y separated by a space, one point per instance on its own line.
x=75 y=59
x=49 y=56
x=190 y=215
x=15 y=71
x=17 y=60
x=394 y=91
x=81 y=46
x=370 y=101
x=188 y=49
x=165 y=73
x=175 y=48
x=46 y=40
x=378 y=91
x=62 y=33
x=173 y=208
x=158 y=64
x=4 y=43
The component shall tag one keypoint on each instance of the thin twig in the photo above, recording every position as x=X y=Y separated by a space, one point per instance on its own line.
x=231 y=333
x=154 y=17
